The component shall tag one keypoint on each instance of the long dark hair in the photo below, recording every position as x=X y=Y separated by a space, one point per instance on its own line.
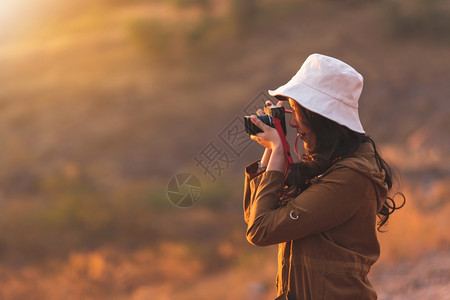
x=332 y=143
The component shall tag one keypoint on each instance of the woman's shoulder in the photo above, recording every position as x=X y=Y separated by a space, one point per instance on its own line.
x=361 y=161
x=341 y=172
x=361 y=167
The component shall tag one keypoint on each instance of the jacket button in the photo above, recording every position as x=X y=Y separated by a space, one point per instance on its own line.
x=293 y=215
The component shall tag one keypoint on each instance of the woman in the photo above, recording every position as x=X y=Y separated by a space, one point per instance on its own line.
x=322 y=210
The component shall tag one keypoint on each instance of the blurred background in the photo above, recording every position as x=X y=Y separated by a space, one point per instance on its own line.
x=103 y=102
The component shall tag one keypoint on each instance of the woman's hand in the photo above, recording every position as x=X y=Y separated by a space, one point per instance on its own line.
x=274 y=158
x=269 y=138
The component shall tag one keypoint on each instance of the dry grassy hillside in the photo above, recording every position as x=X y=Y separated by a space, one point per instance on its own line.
x=102 y=102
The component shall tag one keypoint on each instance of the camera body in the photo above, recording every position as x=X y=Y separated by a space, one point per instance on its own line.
x=270 y=112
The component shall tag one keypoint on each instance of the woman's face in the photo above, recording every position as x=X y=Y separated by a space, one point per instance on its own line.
x=298 y=121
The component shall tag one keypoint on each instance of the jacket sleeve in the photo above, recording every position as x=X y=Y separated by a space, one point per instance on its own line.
x=335 y=198
x=252 y=178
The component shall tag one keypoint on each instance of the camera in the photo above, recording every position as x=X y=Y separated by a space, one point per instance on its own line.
x=270 y=112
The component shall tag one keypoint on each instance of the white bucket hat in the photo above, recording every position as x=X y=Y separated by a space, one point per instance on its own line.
x=328 y=87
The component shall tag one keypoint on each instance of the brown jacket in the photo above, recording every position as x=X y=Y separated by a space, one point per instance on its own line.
x=327 y=235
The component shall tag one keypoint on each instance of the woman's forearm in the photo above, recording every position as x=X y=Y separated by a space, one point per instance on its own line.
x=277 y=161
x=266 y=157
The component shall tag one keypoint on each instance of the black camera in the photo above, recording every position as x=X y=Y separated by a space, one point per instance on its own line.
x=270 y=112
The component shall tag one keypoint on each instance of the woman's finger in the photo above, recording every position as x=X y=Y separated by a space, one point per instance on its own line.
x=259 y=123
x=269 y=103
x=255 y=138
x=259 y=112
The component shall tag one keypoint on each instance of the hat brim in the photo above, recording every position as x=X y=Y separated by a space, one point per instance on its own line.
x=321 y=104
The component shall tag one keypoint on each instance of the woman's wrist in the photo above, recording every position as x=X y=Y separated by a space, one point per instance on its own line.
x=277 y=160
x=266 y=157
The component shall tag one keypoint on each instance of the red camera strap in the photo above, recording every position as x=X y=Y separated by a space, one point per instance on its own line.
x=287 y=150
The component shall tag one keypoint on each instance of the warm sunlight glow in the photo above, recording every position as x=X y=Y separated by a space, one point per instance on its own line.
x=11 y=10
x=16 y=15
